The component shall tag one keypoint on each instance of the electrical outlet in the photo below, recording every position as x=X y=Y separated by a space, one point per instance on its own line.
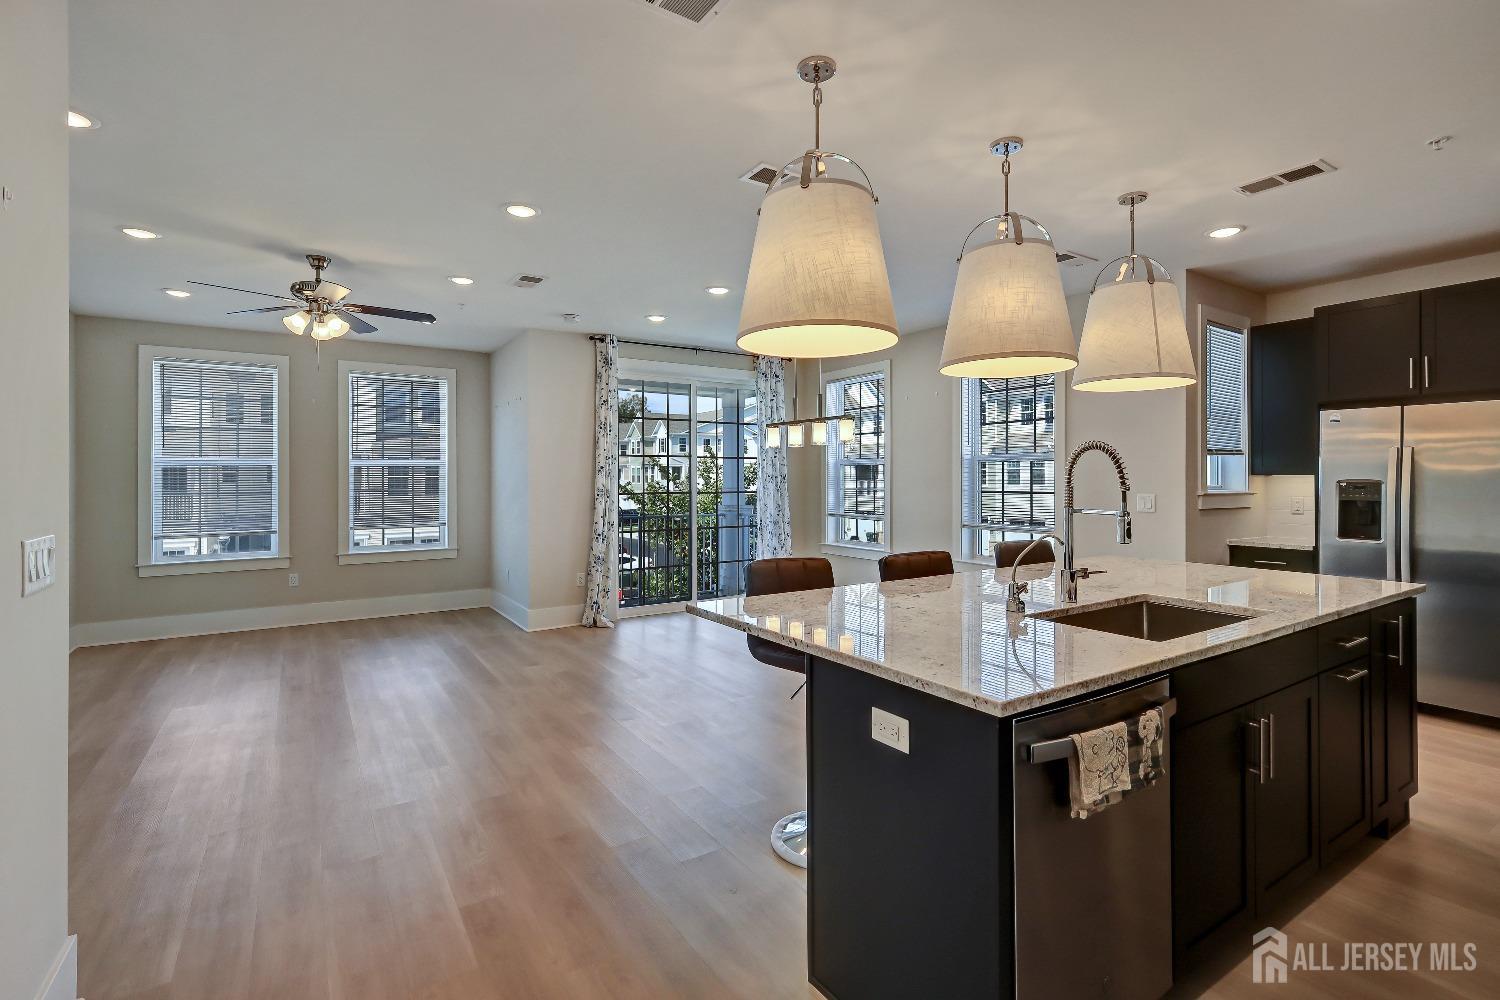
x=293 y=580
x=579 y=580
x=1145 y=503
x=1299 y=505
x=38 y=564
x=892 y=730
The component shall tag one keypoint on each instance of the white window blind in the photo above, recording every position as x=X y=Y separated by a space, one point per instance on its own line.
x=215 y=476
x=398 y=462
x=856 y=482
x=1224 y=390
x=1009 y=460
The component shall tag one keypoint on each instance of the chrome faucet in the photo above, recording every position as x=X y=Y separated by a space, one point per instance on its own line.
x=1066 y=577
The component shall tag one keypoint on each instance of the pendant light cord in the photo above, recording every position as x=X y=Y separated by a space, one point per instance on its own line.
x=1005 y=173
x=1132 y=227
x=817 y=108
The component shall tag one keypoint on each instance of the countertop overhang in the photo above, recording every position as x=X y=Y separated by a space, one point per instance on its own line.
x=952 y=637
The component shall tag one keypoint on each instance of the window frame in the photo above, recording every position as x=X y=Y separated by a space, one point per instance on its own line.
x=1211 y=498
x=964 y=538
x=355 y=557
x=146 y=357
x=856 y=550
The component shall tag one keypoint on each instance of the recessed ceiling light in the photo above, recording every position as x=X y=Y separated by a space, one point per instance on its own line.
x=177 y=293
x=657 y=318
x=77 y=119
x=1225 y=232
x=716 y=290
x=521 y=211
x=459 y=279
x=139 y=234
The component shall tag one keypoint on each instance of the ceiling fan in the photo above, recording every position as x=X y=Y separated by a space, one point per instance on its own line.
x=320 y=307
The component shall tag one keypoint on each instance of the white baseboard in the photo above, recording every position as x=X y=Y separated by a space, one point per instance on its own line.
x=535 y=619
x=280 y=616
x=62 y=979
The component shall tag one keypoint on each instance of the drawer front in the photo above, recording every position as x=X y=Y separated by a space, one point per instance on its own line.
x=1206 y=689
x=1344 y=640
x=1287 y=560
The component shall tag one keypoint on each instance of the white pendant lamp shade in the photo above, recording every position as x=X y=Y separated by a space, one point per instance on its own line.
x=1134 y=338
x=1009 y=317
x=817 y=286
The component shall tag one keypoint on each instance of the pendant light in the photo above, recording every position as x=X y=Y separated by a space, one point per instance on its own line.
x=817 y=286
x=797 y=432
x=1134 y=337
x=1009 y=317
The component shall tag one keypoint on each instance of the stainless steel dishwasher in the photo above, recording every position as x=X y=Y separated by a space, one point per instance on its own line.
x=1093 y=896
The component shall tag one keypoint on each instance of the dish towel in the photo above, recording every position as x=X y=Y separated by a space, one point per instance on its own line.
x=1109 y=763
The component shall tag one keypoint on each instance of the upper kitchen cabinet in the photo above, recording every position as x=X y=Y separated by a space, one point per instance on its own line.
x=1283 y=399
x=1370 y=350
x=1461 y=339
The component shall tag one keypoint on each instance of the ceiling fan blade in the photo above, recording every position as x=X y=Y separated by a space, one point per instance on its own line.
x=330 y=290
x=231 y=288
x=407 y=314
x=263 y=309
x=355 y=323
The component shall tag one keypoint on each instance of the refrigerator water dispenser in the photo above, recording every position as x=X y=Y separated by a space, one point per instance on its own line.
x=1360 y=503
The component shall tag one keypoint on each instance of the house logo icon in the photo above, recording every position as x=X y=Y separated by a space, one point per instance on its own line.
x=1268 y=962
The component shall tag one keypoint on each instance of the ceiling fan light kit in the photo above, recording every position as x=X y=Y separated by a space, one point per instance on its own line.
x=817 y=285
x=1134 y=335
x=1009 y=317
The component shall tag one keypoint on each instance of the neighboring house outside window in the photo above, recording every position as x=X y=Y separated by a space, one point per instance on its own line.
x=1009 y=459
x=856 y=481
x=396 y=445
x=212 y=485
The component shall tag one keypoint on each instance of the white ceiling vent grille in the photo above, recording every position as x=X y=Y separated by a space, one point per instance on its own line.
x=697 y=11
x=527 y=280
x=1302 y=173
x=761 y=175
x=1072 y=258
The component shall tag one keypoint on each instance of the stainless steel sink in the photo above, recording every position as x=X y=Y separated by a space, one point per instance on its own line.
x=1143 y=618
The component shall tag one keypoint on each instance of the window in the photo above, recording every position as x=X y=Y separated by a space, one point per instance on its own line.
x=1008 y=451
x=212 y=483
x=397 y=479
x=856 y=481
x=1224 y=381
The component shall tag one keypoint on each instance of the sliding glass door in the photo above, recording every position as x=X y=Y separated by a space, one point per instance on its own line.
x=686 y=492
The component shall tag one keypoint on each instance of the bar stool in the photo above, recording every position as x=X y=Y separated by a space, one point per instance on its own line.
x=784 y=576
x=1007 y=552
x=914 y=565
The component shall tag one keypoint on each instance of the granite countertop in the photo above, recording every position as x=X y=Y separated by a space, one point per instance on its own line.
x=952 y=637
x=1277 y=542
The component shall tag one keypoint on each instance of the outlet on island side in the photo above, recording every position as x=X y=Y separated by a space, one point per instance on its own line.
x=578 y=581
x=892 y=730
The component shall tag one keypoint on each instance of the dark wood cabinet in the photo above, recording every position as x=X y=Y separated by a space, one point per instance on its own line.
x=1344 y=813
x=1370 y=350
x=1263 y=557
x=1284 y=396
x=1393 y=714
x=1461 y=339
x=1286 y=796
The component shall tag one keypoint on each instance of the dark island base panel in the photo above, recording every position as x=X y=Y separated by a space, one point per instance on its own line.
x=911 y=894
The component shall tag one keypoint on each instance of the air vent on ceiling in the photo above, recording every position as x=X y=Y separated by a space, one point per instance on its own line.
x=527 y=280
x=697 y=11
x=1287 y=177
x=1072 y=258
x=761 y=175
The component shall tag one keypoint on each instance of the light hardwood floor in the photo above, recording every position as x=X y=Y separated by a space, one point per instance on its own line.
x=444 y=806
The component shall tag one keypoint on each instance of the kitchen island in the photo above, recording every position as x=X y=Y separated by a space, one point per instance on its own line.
x=944 y=861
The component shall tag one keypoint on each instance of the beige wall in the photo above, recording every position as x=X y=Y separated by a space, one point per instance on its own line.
x=1299 y=302
x=34 y=501
x=106 y=587
x=543 y=476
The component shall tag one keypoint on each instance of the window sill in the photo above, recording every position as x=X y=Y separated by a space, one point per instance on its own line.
x=854 y=551
x=1226 y=500
x=212 y=566
x=395 y=555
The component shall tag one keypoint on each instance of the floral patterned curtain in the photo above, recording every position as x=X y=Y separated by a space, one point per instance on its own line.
x=773 y=505
x=599 y=595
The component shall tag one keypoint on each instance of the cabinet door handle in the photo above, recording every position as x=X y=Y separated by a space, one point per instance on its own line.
x=1426 y=377
x=1259 y=770
x=1269 y=562
x=1352 y=643
x=1271 y=742
x=1354 y=674
x=1400 y=640
x=1411 y=373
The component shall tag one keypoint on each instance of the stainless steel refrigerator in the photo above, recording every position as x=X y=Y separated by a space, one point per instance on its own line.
x=1413 y=493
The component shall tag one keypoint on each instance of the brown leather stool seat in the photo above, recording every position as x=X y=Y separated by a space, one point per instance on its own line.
x=1007 y=552
x=784 y=576
x=914 y=565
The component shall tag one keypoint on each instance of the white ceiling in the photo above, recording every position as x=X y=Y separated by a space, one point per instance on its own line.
x=246 y=139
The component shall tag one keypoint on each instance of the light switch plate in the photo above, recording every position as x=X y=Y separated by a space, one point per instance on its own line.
x=38 y=564
x=1145 y=503
x=892 y=730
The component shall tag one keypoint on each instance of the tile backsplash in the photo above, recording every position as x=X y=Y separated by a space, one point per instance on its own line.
x=1283 y=496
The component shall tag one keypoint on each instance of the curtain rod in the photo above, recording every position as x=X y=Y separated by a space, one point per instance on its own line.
x=672 y=347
